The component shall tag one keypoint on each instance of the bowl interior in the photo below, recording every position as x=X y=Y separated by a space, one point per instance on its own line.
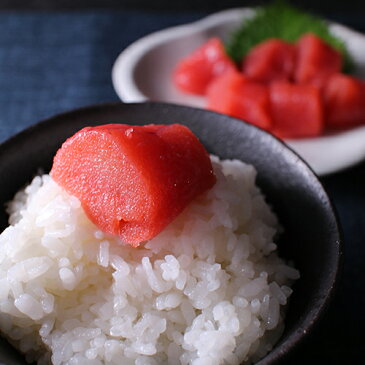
x=311 y=238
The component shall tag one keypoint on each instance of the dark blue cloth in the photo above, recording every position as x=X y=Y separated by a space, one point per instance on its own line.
x=54 y=62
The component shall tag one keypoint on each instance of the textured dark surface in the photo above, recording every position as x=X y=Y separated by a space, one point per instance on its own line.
x=187 y=5
x=51 y=62
x=314 y=244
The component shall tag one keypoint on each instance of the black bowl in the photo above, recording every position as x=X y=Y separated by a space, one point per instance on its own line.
x=311 y=238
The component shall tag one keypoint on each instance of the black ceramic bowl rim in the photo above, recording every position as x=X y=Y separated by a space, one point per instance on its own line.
x=293 y=339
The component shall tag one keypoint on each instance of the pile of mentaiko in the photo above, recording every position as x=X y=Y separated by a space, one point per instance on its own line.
x=208 y=289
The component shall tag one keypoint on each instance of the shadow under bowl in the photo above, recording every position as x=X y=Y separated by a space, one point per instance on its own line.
x=311 y=237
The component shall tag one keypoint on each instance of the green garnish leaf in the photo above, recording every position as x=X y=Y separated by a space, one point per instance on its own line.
x=281 y=20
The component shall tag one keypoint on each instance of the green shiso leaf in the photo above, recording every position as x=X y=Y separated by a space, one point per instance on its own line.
x=281 y=20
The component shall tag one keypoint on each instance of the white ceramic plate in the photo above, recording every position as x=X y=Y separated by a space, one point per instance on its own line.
x=143 y=72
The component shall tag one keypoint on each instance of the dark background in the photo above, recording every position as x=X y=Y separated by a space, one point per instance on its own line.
x=350 y=12
x=189 y=5
x=57 y=55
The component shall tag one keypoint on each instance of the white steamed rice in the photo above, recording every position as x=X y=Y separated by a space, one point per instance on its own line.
x=210 y=289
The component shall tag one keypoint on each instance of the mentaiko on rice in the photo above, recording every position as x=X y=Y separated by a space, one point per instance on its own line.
x=209 y=289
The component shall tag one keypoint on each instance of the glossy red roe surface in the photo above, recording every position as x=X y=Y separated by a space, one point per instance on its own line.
x=344 y=98
x=233 y=94
x=271 y=60
x=194 y=73
x=315 y=59
x=296 y=110
x=133 y=181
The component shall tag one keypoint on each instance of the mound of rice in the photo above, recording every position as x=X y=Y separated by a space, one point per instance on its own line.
x=208 y=290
